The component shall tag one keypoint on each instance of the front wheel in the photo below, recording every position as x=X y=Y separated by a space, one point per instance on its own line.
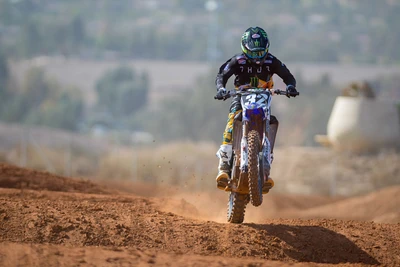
x=236 y=207
x=255 y=175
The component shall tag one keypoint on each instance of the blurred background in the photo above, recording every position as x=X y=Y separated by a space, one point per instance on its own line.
x=123 y=90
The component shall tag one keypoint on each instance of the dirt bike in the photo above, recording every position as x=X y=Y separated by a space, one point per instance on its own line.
x=251 y=159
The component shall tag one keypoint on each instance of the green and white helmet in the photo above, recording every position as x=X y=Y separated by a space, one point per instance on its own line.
x=255 y=44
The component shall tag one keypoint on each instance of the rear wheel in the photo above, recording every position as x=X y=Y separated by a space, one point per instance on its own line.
x=255 y=175
x=236 y=207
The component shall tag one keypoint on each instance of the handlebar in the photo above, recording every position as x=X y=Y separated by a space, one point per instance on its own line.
x=234 y=92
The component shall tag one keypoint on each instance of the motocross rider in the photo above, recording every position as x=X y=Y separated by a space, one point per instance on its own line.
x=253 y=67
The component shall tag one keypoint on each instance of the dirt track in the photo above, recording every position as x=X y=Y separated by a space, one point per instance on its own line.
x=47 y=220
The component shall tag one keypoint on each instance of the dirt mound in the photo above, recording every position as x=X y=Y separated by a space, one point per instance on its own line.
x=52 y=255
x=79 y=220
x=15 y=177
x=213 y=205
x=380 y=206
x=77 y=229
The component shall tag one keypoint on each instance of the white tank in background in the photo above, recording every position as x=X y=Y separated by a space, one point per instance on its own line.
x=362 y=124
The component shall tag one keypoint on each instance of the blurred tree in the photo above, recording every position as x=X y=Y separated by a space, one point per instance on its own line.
x=43 y=102
x=194 y=115
x=30 y=41
x=121 y=92
x=63 y=112
x=36 y=88
x=4 y=72
x=4 y=75
x=31 y=95
x=311 y=30
x=191 y=5
x=77 y=30
x=6 y=12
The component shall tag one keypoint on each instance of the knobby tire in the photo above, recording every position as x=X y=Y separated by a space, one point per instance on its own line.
x=255 y=186
x=236 y=207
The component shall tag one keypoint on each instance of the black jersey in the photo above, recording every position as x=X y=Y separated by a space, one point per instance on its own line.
x=247 y=73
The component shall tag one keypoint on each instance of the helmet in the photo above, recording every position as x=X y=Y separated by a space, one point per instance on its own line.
x=255 y=44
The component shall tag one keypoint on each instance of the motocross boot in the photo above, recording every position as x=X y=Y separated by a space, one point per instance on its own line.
x=268 y=185
x=274 y=123
x=223 y=175
x=224 y=168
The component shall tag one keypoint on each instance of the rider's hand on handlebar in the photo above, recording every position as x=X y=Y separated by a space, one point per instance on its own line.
x=221 y=93
x=291 y=91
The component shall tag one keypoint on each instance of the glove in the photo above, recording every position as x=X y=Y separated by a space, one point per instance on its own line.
x=290 y=89
x=221 y=93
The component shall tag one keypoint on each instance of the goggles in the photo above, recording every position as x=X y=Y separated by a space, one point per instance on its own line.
x=256 y=54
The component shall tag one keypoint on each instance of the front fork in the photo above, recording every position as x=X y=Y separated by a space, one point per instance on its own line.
x=244 y=162
x=266 y=145
x=266 y=151
x=266 y=148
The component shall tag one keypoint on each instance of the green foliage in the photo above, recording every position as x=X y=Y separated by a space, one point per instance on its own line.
x=15 y=109
x=31 y=40
x=63 y=112
x=5 y=11
x=121 y=92
x=3 y=69
x=42 y=35
x=77 y=30
x=4 y=74
x=192 y=115
x=3 y=80
x=36 y=87
x=42 y=102
x=307 y=30
x=22 y=102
